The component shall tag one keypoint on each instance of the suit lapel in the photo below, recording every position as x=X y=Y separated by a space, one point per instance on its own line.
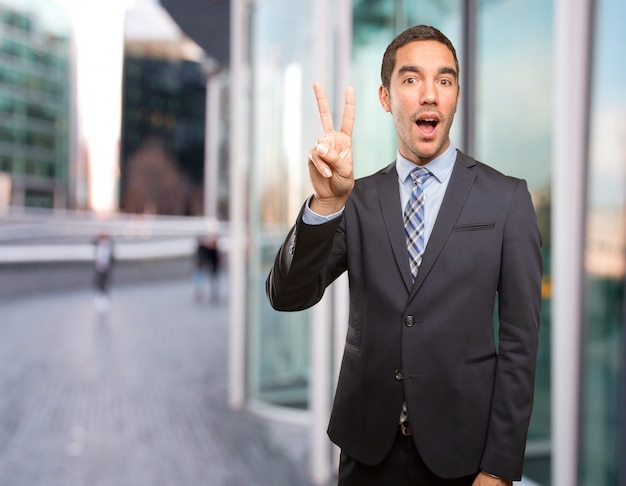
x=459 y=186
x=389 y=197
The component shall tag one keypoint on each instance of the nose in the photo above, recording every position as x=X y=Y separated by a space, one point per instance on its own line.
x=428 y=94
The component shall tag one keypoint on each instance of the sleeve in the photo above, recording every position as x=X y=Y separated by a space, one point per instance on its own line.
x=310 y=259
x=519 y=303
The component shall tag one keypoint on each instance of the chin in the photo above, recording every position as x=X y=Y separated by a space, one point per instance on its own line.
x=426 y=154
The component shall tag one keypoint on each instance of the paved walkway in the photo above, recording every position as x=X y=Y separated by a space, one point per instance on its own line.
x=131 y=398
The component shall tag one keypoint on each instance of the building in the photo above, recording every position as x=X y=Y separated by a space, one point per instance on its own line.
x=82 y=87
x=540 y=100
x=163 y=128
x=164 y=121
x=35 y=92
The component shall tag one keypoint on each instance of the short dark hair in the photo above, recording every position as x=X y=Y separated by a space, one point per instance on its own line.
x=412 y=34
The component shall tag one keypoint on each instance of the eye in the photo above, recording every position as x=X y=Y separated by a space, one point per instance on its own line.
x=446 y=82
x=410 y=80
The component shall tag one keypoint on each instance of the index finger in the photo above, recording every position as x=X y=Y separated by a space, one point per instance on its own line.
x=323 y=108
x=347 y=121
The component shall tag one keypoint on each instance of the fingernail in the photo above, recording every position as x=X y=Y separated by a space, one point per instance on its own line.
x=327 y=172
x=321 y=149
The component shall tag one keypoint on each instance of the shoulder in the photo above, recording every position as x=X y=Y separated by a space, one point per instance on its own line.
x=485 y=173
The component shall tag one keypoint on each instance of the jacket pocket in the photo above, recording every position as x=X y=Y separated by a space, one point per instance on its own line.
x=474 y=226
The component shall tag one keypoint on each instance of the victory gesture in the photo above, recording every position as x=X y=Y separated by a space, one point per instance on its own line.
x=330 y=161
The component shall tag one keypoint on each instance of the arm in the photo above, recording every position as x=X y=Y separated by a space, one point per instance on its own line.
x=519 y=293
x=298 y=278
x=308 y=261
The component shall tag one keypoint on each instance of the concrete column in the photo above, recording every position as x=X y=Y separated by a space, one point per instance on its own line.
x=321 y=315
x=211 y=142
x=570 y=155
x=238 y=150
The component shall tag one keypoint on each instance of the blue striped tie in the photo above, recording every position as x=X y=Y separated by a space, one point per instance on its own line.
x=414 y=219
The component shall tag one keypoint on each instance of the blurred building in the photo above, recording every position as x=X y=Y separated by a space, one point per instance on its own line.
x=164 y=117
x=35 y=91
x=105 y=107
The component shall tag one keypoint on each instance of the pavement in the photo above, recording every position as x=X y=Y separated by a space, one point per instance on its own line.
x=133 y=396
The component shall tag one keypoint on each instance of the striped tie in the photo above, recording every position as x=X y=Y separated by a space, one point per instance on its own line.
x=414 y=230
x=414 y=219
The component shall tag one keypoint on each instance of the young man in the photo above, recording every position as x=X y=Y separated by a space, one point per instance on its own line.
x=426 y=396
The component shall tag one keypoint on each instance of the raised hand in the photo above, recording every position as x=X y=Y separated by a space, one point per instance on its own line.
x=330 y=161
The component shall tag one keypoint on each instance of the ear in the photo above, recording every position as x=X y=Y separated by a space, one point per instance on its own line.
x=383 y=96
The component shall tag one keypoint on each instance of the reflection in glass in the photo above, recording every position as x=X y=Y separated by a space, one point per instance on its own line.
x=602 y=414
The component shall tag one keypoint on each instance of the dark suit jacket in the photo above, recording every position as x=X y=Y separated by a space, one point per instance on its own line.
x=469 y=391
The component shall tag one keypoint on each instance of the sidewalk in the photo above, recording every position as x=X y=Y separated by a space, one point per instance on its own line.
x=134 y=397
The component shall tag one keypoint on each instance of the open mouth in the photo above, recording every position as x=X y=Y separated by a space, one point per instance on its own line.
x=427 y=124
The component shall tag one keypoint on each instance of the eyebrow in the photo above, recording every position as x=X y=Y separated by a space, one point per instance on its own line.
x=415 y=69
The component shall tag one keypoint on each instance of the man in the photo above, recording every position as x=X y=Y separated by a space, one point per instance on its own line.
x=425 y=394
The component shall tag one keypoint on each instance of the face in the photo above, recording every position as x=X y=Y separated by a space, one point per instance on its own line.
x=422 y=98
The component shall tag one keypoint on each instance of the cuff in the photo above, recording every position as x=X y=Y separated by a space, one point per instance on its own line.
x=312 y=218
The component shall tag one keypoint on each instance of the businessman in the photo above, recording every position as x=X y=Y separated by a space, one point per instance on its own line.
x=430 y=392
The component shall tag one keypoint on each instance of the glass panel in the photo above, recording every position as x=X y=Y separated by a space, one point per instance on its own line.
x=605 y=258
x=374 y=26
x=513 y=134
x=281 y=93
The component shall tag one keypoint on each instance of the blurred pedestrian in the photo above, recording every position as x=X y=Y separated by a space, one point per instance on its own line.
x=103 y=266
x=207 y=268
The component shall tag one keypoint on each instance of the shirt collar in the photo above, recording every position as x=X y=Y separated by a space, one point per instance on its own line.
x=439 y=167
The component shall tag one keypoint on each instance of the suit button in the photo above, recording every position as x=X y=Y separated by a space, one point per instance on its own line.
x=399 y=375
x=409 y=321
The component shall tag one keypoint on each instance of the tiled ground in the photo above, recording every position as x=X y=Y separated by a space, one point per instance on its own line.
x=133 y=397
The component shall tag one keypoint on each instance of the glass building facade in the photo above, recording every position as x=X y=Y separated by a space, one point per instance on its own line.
x=506 y=119
x=35 y=101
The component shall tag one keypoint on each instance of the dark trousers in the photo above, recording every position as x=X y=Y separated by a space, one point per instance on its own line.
x=102 y=281
x=403 y=466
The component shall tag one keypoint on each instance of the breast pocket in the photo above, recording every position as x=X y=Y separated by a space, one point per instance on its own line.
x=472 y=248
x=474 y=226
